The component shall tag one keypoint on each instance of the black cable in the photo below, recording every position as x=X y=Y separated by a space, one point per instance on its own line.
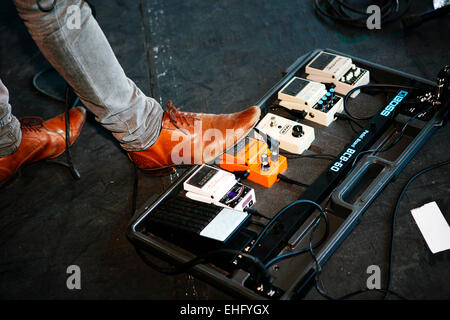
x=282 y=177
x=200 y=259
x=402 y=132
x=256 y=213
x=318 y=267
x=207 y=258
x=305 y=250
x=386 y=291
x=395 y=213
x=356 y=293
x=342 y=12
x=351 y=121
x=351 y=127
x=272 y=221
x=323 y=156
x=67 y=106
x=393 y=143
x=349 y=295
x=298 y=114
x=377 y=86
x=416 y=20
x=315 y=225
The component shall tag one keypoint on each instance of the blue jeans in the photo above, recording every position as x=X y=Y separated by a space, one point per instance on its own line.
x=86 y=61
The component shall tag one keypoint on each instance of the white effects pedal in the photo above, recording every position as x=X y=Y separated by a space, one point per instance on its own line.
x=219 y=187
x=319 y=104
x=331 y=68
x=293 y=136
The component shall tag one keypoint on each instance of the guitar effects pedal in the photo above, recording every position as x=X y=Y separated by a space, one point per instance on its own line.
x=215 y=186
x=320 y=106
x=254 y=156
x=293 y=136
x=331 y=68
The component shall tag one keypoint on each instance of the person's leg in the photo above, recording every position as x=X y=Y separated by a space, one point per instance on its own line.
x=10 y=134
x=32 y=139
x=86 y=61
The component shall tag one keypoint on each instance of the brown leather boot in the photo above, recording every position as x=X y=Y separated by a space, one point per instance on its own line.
x=194 y=138
x=42 y=140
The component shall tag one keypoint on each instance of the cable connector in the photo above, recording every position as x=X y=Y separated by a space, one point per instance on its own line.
x=291 y=181
x=255 y=213
x=298 y=114
x=241 y=175
x=342 y=116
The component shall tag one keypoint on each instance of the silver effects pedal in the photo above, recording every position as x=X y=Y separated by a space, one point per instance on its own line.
x=331 y=68
x=312 y=97
x=215 y=186
x=292 y=136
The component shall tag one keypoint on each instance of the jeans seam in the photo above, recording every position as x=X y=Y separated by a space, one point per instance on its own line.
x=82 y=67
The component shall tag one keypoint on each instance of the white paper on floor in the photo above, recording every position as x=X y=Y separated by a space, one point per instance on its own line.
x=433 y=226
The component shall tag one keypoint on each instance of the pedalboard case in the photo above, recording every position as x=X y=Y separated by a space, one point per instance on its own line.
x=347 y=187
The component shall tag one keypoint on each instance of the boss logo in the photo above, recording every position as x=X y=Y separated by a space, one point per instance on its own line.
x=391 y=106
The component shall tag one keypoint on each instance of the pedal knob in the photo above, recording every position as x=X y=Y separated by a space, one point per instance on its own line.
x=332 y=92
x=297 y=131
x=265 y=165
x=349 y=76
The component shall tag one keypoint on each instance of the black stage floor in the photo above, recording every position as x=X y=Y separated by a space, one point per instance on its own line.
x=206 y=57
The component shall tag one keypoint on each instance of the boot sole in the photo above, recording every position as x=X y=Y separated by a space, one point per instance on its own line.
x=15 y=175
x=10 y=179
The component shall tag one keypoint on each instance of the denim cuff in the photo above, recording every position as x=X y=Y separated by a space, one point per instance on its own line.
x=10 y=137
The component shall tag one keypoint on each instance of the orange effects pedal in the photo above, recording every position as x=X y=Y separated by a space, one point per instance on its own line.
x=255 y=157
